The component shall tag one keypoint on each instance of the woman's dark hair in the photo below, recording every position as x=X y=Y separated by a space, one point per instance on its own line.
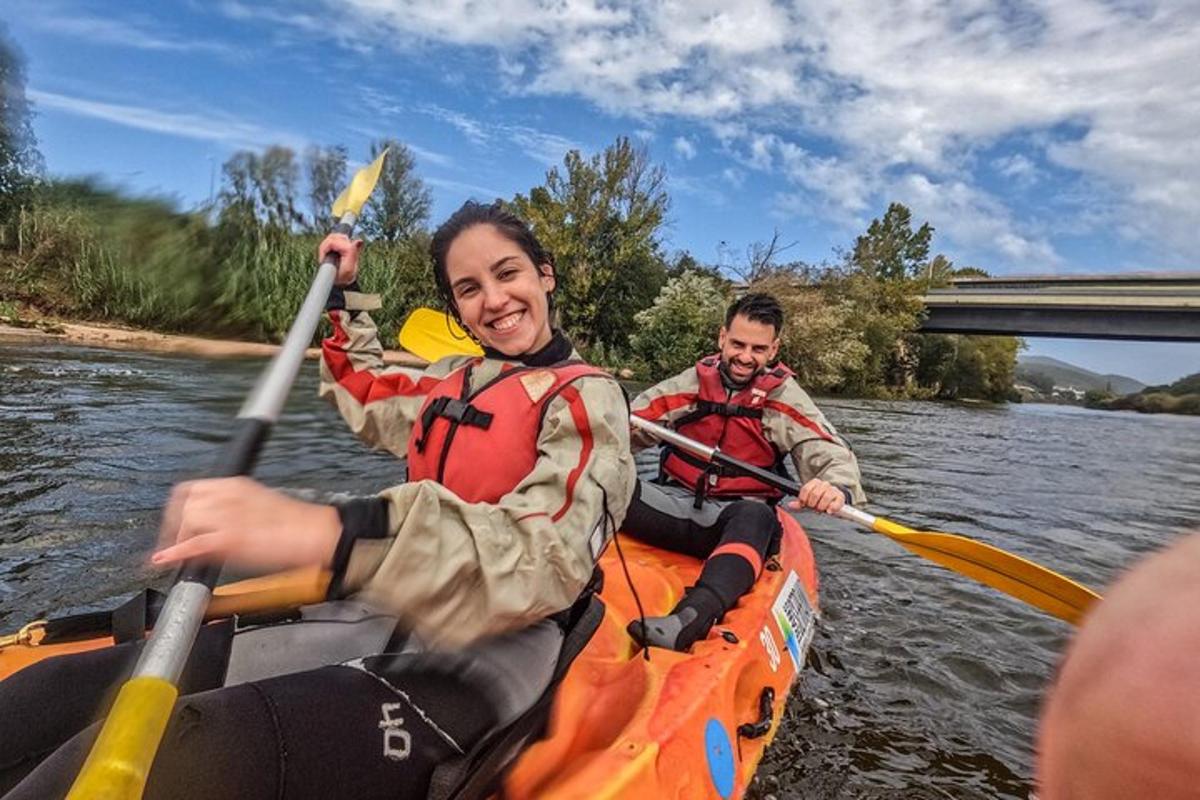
x=757 y=307
x=509 y=225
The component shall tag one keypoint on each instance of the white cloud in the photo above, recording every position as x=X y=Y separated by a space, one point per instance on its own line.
x=129 y=31
x=544 y=147
x=684 y=148
x=704 y=189
x=214 y=128
x=469 y=127
x=891 y=92
x=1017 y=167
x=475 y=191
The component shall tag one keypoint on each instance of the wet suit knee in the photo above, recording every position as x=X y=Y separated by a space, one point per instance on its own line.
x=748 y=529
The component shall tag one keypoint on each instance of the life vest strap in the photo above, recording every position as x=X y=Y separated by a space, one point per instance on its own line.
x=455 y=410
x=706 y=408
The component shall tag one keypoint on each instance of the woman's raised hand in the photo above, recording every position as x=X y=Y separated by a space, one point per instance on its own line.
x=347 y=251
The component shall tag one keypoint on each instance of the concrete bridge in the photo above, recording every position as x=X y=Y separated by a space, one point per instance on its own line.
x=1162 y=306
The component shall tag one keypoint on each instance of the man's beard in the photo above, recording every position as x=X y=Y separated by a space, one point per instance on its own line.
x=732 y=382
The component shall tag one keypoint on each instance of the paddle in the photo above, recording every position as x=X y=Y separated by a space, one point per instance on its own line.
x=422 y=335
x=1015 y=576
x=120 y=759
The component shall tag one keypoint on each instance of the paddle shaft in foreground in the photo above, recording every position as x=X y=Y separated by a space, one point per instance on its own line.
x=119 y=762
x=1029 y=582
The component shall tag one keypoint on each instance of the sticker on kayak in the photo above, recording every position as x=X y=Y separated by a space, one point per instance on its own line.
x=795 y=617
x=719 y=751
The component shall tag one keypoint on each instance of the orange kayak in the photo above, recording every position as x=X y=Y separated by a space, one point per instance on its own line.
x=679 y=725
x=676 y=725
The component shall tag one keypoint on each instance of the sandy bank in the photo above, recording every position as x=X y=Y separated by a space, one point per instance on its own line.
x=110 y=336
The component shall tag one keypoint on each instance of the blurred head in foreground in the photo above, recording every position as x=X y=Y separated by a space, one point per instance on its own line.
x=1123 y=718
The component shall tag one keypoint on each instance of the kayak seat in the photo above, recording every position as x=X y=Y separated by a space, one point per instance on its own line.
x=478 y=774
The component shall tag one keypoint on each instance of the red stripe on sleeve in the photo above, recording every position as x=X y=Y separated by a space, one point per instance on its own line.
x=661 y=406
x=363 y=385
x=784 y=408
x=580 y=418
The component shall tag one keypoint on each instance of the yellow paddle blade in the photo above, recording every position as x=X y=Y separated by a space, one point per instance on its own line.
x=433 y=335
x=1015 y=576
x=361 y=185
x=119 y=763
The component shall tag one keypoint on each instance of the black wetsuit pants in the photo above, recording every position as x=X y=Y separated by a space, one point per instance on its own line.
x=337 y=731
x=735 y=536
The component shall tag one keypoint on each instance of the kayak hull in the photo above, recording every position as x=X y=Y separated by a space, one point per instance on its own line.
x=668 y=727
x=675 y=725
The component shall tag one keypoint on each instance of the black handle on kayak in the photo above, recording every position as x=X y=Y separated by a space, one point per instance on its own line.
x=766 y=715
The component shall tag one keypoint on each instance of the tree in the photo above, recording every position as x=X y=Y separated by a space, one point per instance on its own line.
x=601 y=218
x=399 y=206
x=326 y=169
x=681 y=324
x=818 y=339
x=276 y=180
x=1040 y=381
x=261 y=191
x=20 y=161
x=761 y=260
x=890 y=249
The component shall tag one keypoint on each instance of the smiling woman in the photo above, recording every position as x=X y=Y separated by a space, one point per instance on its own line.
x=519 y=470
x=501 y=286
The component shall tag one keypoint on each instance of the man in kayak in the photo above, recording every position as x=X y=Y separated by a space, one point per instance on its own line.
x=1123 y=716
x=752 y=410
x=519 y=470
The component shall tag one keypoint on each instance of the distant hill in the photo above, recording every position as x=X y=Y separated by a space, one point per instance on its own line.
x=1181 y=397
x=1188 y=385
x=1064 y=374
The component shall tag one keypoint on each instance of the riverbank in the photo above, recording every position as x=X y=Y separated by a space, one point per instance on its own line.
x=122 y=338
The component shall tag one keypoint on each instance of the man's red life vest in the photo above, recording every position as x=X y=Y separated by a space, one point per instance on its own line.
x=482 y=445
x=732 y=423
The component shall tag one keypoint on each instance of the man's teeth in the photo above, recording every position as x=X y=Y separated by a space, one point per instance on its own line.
x=509 y=322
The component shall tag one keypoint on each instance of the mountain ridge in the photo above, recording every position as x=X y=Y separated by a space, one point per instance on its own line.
x=1067 y=374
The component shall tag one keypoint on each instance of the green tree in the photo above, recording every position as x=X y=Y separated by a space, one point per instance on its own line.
x=891 y=249
x=601 y=217
x=276 y=180
x=399 y=206
x=680 y=326
x=326 y=169
x=20 y=161
x=260 y=190
x=880 y=314
x=819 y=340
x=1040 y=381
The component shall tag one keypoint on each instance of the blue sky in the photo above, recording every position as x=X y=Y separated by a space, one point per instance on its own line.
x=1036 y=136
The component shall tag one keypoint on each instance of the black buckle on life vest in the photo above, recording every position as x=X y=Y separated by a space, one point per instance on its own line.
x=457 y=411
x=706 y=408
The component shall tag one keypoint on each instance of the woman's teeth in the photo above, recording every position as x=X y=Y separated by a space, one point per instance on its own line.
x=507 y=323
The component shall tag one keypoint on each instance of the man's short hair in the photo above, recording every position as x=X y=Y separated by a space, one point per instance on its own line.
x=757 y=307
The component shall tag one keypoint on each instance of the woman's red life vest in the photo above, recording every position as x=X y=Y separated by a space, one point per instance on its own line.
x=732 y=423
x=482 y=445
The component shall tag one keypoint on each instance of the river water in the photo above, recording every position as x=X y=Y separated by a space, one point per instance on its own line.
x=921 y=684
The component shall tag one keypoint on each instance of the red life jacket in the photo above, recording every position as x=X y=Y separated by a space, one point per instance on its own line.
x=732 y=423
x=482 y=445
